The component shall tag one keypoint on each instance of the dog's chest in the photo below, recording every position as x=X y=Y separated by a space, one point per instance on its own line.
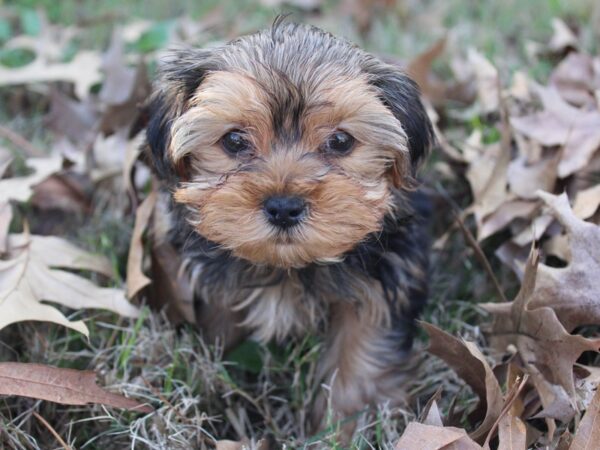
x=270 y=310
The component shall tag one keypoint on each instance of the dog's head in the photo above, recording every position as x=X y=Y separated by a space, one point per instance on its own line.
x=286 y=145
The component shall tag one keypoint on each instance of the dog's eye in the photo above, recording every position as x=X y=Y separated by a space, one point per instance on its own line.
x=339 y=142
x=235 y=142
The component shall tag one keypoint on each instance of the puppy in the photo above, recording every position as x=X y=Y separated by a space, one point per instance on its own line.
x=288 y=162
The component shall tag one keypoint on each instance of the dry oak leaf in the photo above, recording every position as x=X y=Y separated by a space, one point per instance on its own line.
x=136 y=280
x=576 y=130
x=573 y=78
x=20 y=189
x=29 y=276
x=587 y=202
x=428 y=437
x=486 y=79
x=487 y=176
x=547 y=351
x=562 y=37
x=66 y=386
x=83 y=71
x=469 y=364
x=572 y=292
x=587 y=436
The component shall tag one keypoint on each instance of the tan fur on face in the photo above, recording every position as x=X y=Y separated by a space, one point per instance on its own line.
x=347 y=195
x=340 y=212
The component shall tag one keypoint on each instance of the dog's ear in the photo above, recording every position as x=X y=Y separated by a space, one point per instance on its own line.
x=179 y=77
x=403 y=98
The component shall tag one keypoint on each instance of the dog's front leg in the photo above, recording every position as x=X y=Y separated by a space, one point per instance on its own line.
x=363 y=365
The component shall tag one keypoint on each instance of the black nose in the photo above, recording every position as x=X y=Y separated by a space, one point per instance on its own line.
x=283 y=211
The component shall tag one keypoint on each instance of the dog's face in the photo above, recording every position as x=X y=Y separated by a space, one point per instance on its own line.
x=287 y=145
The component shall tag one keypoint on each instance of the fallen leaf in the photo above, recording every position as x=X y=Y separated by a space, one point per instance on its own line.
x=587 y=202
x=547 y=351
x=486 y=79
x=229 y=445
x=69 y=192
x=512 y=433
x=561 y=124
x=562 y=37
x=21 y=188
x=504 y=215
x=71 y=118
x=487 y=175
x=533 y=231
x=587 y=381
x=469 y=364
x=65 y=386
x=83 y=71
x=525 y=178
x=5 y=219
x=420 y=70
x=428 y=437
x=571 y=291
x=29 y=276
x=573 y=78
x=587 y=436
x=433 y=416
x=245 y=444
x=136 y=280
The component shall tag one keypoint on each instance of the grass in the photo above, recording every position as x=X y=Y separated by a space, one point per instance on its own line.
x=199 y=393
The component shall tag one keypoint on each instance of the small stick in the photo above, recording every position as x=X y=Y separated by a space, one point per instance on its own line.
x=472 y=242
x=52 y=431
x=20 y=141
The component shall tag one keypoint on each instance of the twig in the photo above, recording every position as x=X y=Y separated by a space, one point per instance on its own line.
x=52 y=431
x=20 y=141
x=480 y=256
x=511 y=397
x=473 y=243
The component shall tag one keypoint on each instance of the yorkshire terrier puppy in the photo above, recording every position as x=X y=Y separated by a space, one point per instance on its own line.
x=288 y=162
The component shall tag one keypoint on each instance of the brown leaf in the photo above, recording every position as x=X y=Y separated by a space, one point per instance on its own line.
x=486 y=79
x=587 y=202
x=420 y=70
x=5 y=219
x=136 y=280
x=21 y=188
x=29 y=276
x=119 y=77
x=487 y=175
x=525 y=178
x=245 y=444
x=587 y=436
x=504 y=215
x=562 y=38
x=571 y=291
x=512 y=433
x=65 y=386
x=67 y=191
x=470 y=365
x=71 y=118
x=547 y=351
x=428 y=437
x=561 y=124
x=573 y=78
x=83 y=71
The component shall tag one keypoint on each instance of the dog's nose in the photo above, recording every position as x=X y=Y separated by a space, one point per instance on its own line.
x=284 y=211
